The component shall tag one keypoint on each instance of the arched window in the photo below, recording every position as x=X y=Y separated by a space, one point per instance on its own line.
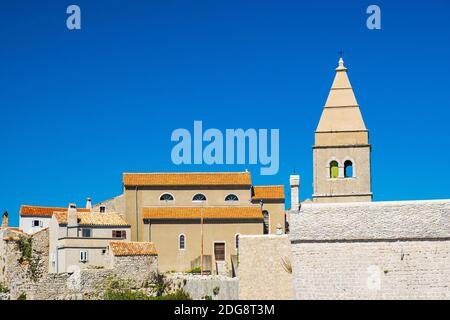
x=199 y=197
x=266 y=221
x=348 y=169
x=181 y=242
x=231 y=197
x=334 y=169
x=236 y=241
x=166 y=197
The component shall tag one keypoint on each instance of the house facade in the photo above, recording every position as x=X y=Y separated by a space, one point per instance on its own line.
x=80 y=239
x=193 y=215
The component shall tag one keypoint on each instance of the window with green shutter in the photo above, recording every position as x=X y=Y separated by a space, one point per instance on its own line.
x=334 y=169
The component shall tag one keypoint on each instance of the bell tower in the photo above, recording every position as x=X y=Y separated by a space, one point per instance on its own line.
x=341 y=151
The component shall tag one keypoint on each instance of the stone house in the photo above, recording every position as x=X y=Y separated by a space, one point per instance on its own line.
x=126 y=258
x=79 y=239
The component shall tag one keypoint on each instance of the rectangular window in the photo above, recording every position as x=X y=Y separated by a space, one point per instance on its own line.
x=37 y=223
x=86 y=233
x=122 y=234
x=83 y=256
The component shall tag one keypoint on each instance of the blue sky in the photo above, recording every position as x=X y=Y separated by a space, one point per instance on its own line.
x=78 y=108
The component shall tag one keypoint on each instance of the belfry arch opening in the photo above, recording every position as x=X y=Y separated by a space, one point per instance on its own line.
x=334 y=169
x=348 y=169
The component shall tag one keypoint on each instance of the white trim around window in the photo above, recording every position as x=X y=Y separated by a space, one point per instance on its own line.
x=199 y=194
x=83 y=256
x=181 y=245
x=166 y=193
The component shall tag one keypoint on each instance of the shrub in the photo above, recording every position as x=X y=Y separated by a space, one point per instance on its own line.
x=22 y=296
x=179 y=294
x=286 y=264
x=119 y=289
x=3 y=288
x=125 y=294
x=25 y=248
x=159 y=283
x=194 y=270
x=216 y=291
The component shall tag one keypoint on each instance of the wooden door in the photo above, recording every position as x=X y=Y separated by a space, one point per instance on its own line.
x=219 y=251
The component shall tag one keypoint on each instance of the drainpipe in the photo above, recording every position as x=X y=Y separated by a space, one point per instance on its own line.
x=201 y=230
x=137 y=212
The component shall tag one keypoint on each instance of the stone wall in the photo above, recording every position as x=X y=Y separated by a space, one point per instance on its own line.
x=264 y=263
x=372 y=270
x=18 y=271
x=372 y=220
x=83 y=284
x=376 y=250
x=135 y=267
x=199 y=287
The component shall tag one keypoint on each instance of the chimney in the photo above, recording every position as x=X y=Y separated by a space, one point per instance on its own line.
x=72 y=219
x=5 y=219
x=89 y=203
x=295 y=192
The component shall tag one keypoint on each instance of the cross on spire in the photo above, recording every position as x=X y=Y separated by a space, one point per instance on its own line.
x=341 y=53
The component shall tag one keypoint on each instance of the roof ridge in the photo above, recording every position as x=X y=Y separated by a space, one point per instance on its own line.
x=202 y=172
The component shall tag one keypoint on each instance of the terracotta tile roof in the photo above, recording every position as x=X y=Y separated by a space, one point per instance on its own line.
x=132 y=248
x=268 y=192
x=39 y=211
x=13 y=229
x=94 y=219
x=187 y=179
x=208 y=213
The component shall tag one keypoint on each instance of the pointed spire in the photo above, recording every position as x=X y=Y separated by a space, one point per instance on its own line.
x=341 y=111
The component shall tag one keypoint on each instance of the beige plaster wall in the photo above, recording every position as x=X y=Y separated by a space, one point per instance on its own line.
x=165 y=237
x=263 y=272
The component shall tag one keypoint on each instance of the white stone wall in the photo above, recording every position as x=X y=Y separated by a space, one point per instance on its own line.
x=199 y=287
x=26 y=224
x=372 y=270
x=135 y=267
x=377 y=250
x=262 y=268
x=372 y=220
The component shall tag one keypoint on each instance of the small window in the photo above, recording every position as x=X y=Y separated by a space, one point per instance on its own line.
x=86 y=233
x=103 y=251
x=121 y=234
x=37 y=223
x=199 y=197
x=83 y=256
x=266 y=221
x=236 y=241
x=166 y=197
x=181 y=242
x=334 y=169
x=348 y=169
x=102 y=209
x=231 y=197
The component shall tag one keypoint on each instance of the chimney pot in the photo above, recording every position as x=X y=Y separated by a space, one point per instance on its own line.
x=295 y=192
x=5 y=219
x=89 y=203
